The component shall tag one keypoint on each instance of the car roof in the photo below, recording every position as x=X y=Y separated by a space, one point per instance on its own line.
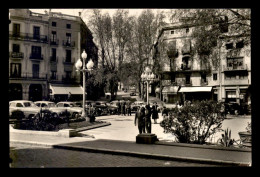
x=43 y=102
x=19 y=101
x=65 y=102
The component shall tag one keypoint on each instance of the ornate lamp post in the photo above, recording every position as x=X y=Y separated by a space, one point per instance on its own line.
x=89 y=68
x=148 y=77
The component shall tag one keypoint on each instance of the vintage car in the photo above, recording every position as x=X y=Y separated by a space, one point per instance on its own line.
x=101 y=108
x=112 y=107
x=27 y=107
x=137 y=104
x=71 y=107
x=48 y=105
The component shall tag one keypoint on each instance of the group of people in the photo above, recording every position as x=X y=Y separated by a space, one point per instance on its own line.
x=143 y=118
x=124 y=107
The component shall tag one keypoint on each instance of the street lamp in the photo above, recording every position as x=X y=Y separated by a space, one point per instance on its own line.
x=78 y=65
x=147 y=76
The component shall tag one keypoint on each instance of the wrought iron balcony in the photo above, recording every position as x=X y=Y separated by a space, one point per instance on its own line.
x=18 y=55
x=203 y=82
x=68 y=61
x=28 y=37
x=235 y=67
x=35 y=75
x=53 y=59
x=234 y=53
x=54 y=41
x=184 y=82
x=68 y=79
x=36 y=56
x=68 y=43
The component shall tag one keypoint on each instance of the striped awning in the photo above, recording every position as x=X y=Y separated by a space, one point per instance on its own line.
x=170 y=89
x=195 y=89
x=64 y=90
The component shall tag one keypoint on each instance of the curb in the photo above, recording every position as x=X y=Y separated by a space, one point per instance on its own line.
x=154 y=156
x=203 y=146
x=92 y=127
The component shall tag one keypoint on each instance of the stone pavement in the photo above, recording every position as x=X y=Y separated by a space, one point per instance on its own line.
x=193 y=154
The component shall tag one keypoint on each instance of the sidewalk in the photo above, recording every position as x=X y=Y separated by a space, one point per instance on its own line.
x=160 y=150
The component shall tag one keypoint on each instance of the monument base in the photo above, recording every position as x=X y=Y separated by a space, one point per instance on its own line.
x=146 y=138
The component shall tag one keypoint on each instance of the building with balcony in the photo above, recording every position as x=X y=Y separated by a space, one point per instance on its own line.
x=185 y=77
x=42 y=51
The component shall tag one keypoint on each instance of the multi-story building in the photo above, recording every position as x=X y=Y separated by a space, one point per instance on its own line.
x=185 y=76
x=43 y=49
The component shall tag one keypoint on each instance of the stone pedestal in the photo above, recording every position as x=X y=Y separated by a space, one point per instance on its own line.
x=146 y=138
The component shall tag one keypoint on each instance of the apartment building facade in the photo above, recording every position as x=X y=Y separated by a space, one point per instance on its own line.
x=43 y=49
x=185 y=77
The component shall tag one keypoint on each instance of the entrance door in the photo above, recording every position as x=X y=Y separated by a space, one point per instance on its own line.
x=15 y=92
x=35 y=92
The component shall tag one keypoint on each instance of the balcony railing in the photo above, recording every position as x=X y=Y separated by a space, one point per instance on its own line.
x=36 y=57
x=68 y=44
x=68 y=61
x=16 y=55
x=28 y=37
x=53 y=59
x=203 y=82
x=54 y=42
x=235 y=67
x=234 y=53
x=35 y=75
x=184 y=82
x=68 y=79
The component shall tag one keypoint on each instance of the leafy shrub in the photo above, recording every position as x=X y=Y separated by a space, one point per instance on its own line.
x=226 y=139
x=194 y=123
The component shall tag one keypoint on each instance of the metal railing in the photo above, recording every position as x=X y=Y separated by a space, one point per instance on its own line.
x=36 y=56
x=68 y=43
x=68 y=61
x=235 y=67
x=54 y=42
x=35 y=75
x=28 y=37
x=68 y=79
x=16 y=55
x=53 y=59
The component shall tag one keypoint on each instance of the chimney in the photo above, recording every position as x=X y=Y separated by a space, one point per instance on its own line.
x=80 y=14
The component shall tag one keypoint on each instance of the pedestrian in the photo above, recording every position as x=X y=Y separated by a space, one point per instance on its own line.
x=123 y=108
x=128 y=105
x=164 y=112
x=118 y=104
x=222 y=110
x=148 y=126
x=155 y=115
x=140 y=117
x=179 y=106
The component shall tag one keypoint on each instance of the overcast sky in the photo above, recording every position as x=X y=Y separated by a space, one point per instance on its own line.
x=75 y=12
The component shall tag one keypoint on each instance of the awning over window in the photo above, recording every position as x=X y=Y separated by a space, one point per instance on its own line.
x=170 y=89
x=195 y=89
x=66 y=89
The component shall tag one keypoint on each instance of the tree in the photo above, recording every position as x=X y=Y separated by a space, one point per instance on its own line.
x=112 y=35
x=143 y=38
x=213 y=27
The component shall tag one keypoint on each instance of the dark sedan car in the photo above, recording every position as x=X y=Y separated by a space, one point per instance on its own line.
x=101 y=108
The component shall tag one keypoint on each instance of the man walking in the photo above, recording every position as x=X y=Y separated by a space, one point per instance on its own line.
x=148 y=125
x=128 y=107
x=140 y=117
x=118 y=104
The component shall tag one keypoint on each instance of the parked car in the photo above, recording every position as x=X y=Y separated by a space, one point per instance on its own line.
x=51 y=106
x=112 y=107
x=101 y=108
x=71 y=107
x=136 y=105
x=27 y=107
x=132 y=94
x=232 y=108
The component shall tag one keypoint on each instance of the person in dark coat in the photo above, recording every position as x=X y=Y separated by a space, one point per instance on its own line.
x=128 y=107
x=140 y=117
x=164 y=112
x=148 y=126
x=155 y=115
x=123 y=108
x=118 y=104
